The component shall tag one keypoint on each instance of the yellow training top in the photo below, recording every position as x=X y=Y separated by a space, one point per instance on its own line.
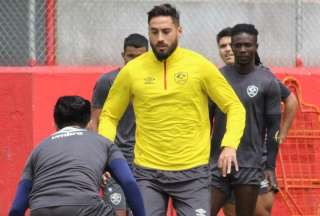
x=170 y=100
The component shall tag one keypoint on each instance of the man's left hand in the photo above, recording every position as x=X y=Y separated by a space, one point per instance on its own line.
x=227 y=158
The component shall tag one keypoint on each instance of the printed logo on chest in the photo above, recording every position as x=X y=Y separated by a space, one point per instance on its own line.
x=181 y=77
x=149 y=80
x=252 y=90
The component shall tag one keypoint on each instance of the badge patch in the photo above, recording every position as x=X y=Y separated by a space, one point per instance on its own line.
x=252 y=90
x=115 y=198
x=181 y=77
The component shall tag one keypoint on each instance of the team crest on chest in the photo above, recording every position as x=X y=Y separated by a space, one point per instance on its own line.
x=181 y=77
x=252 y=90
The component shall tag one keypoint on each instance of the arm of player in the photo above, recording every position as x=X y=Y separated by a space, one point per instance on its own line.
x=122 y=174
x=290 y=110
x=94 y=122
x=21 y=200
x=115 y=105
x=99 y=95
x=222 y=94
x=272 y=142
x=272 y=122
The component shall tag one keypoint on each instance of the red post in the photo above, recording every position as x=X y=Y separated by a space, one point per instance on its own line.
x=299 y=61
x=50 y=32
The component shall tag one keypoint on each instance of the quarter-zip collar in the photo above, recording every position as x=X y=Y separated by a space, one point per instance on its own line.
x=173 y=57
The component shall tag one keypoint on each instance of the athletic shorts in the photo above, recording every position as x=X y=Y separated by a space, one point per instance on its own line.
x=247 y=176
x=114 y=196
x=189 y=190
x=263 y=188
x=100 y=209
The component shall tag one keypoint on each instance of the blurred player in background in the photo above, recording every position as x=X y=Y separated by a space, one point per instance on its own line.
x=62 y=175
x=259 y=92
x=169 y=88
x=267 y=189
x=134 y=45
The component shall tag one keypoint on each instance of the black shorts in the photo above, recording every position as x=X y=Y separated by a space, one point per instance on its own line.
x=189 y=190
x=100 y=209
x=263 y=188
x=247 y=176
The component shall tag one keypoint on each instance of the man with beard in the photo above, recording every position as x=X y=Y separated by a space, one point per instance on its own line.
x=268 y=186
x=259 y=92
x=169 y=88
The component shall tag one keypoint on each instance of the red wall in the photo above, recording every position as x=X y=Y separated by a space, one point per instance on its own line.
x=28 y=96
x=47 y=87
x=27 y=99
x=15 y=131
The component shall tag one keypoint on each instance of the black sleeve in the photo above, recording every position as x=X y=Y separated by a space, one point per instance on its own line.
x=212 y=108
x=285 y=92
x=101 y=91
x=272 y=125
x=272 y=98
x=272 y=122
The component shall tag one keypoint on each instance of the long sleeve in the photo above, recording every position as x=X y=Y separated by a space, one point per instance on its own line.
x=272 y=121
x=122 y=174
x=115 y=105
x=222 y=94
x=21 y=200
x=101 y=91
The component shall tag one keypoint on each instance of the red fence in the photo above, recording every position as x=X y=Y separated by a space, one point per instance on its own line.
x=28 y=95
x=298 y=163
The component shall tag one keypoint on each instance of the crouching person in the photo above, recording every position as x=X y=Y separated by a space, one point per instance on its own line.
x=62 y=175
